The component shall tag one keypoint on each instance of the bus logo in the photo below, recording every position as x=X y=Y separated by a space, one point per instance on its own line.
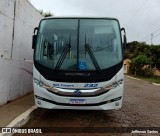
x=77 y=93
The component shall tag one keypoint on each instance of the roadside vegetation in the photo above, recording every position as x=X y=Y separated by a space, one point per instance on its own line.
x=145 y=59
x=151 y=79
x=46 y=14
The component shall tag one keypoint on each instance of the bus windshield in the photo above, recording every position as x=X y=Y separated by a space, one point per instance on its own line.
x=78 y=44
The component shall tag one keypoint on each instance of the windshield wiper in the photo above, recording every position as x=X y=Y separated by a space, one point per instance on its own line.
x=63 y=55
x=90 y=52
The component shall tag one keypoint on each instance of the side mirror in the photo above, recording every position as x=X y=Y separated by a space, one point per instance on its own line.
x=124 y=41
x=34 y=38
x=124 y=37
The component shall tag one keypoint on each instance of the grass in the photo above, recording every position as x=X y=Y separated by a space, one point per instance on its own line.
x=152 y=79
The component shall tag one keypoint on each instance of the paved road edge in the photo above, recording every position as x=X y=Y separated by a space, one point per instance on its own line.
x=20 y=120
x=141 y=79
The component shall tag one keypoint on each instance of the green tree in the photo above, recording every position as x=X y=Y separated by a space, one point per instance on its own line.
x=135 y=48
x=155 y=51
x=45 y=14
x=138 y=63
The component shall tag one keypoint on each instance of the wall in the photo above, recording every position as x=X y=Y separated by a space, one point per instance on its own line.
x=126 y=64
x=157 y=72
x=18 y=18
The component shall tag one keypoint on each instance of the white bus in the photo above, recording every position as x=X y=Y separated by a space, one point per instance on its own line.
x=78 y=63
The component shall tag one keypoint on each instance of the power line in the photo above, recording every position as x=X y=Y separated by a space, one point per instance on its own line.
x=156 y=30
x=156 y=35
x=152 y=33
x=138 y=10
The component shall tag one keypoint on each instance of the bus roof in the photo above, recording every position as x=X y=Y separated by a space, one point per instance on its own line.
x=89 y=17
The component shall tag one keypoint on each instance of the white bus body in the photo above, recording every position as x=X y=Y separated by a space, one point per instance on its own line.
x=78 y=63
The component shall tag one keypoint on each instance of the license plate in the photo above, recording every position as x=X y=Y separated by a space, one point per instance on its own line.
x=77 y=101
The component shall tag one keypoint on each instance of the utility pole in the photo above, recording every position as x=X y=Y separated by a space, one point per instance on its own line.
x=151 y=38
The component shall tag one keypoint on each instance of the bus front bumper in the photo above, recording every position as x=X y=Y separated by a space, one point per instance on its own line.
x=107 y=101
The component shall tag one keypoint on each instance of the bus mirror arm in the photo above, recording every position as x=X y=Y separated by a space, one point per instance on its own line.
x=124 y=38
x=34 y=37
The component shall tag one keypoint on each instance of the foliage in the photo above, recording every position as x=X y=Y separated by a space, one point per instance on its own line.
x=151 y=79
x=141 y=60
x=138 y=64
x=45 y=14
x=142 y=54
x=155 y=55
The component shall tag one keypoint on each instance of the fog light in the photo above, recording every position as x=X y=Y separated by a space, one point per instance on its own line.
x=117 y=104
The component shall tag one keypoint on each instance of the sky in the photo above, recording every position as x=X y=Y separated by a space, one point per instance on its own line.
x=140 y=18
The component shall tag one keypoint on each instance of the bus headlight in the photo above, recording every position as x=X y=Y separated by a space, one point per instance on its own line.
x=120 y=81
x=36 y=81
x=113 y=85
